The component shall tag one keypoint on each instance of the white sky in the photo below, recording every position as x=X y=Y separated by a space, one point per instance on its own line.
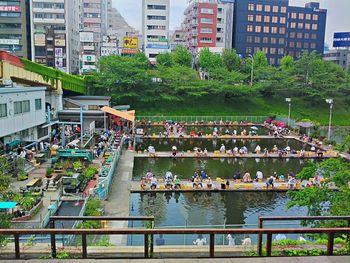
x=338 y=18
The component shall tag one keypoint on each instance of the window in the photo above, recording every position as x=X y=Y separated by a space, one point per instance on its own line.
x=272 y=61
x=26 y=106
x=251 y=7
x=207 y=11
x=156 y=18
x=22 y=106
x=249 y=28
x=283 y=9
x=307 y=26
x=250 y=18
x=282 y=30
x=293 y=15
x=306 y=45
x=298 y=44
x=273 y=40
x=259 y=7
x=314 y=26
x=275 y=9
x=256 y=39
x=315 y=17
x=291 y=44
x=265 y=40
x=156 y=7
x=206 y=40
x=265 y=50
x=293 y=25
x=206 y=20
x=257 y=29
x=306 y=35
x=282 y=20
x=274 y=19
x=313 y=45
x=281 y=41
x=267 y=19
x=300 y=35
x=292 y=34
x=291 y=53
x=248 y=50
x=308 y=16
x=3 y=110
x=301 y=16
x=274 y=30
x=38 y=105
x=249 y=39
x=300 y=25
x=258 y=18
x=204 y=30
x=18 y=107
x=273 y=50
x=313 y=36
x=280 y=51
x=256 y=49
x=267 y=8
x=266 y=29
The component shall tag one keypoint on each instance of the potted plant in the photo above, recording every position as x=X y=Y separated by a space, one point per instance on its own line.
x=49 y=172
x=69 y=174
x=77 y=166
x=22 y=176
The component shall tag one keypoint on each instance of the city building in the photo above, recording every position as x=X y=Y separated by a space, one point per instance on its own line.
x=277 y=29
x=55 y=33
x=14 y=31
x=340 y=57
x=22 y=113
x=177 y=38
x=155 y=27
x=208 y=23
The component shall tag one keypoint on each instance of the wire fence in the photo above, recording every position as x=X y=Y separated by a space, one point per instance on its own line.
x=254 y=119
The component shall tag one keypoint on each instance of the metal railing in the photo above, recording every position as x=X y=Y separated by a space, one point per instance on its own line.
x=149 y=233
x=263 y=219
x=254 y=119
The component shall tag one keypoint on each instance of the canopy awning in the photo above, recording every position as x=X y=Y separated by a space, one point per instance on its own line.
x=130 y=115
x=305 y=124
x=7 y=205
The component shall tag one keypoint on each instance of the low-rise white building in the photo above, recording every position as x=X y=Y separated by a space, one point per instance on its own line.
x=22 y=112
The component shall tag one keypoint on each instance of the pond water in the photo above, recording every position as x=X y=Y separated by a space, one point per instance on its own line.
x=205 y=209
x=215 y=144
x=68 y=208
x=209 y=129
x=223 y=168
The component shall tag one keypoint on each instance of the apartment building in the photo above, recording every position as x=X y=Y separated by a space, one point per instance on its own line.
x=177 y=38
x=208 y=23
x=274 y=27
x=55 y=33
x=155 y=27
x=340 y=57
x=14 y=31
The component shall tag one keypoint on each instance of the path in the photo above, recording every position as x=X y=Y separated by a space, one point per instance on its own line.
x=119 y=198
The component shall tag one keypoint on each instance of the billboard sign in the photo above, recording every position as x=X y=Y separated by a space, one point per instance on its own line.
x=39 y=40
x=341 y=39
x=108 y=51
x=130 y=42
x=5 y=41
x=10 y=8
x=59 y=52
x=89 y=58
x=59 y=62
x=157 y=46
x=86 y=37
x=109 y=41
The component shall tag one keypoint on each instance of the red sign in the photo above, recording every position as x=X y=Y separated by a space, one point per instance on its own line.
x=9 y=8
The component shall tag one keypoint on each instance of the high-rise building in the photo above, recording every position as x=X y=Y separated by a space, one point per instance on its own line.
x=278 y=29
x=208 y=23
x=55 y=33
x=155 y=27
x=14 y=31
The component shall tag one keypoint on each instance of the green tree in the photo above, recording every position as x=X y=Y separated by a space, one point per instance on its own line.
x=287 y=63
x=208 y=60
x=165 y=59
x=182 y=56
x=231 y=60
x=5 y=179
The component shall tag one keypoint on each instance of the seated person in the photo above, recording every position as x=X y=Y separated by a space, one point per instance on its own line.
x=237 y=175
x=154 y=183
x=168 y=184
x=209 y=183
x=246 y=177
x=259 y=176
x=197 y=183
x=143 y=183
x=269 y=182
x=275 y=149
x=168 y=176
x=192 y=134
x=205 y=152
x=149 y=176
x=319 y=153
x=204 y=175
x=177 y=182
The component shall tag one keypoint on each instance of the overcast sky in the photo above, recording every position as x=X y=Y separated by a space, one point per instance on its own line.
x=338 y=18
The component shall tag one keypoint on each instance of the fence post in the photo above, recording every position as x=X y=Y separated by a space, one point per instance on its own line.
x=152 y=241
x=53 y=240
x=330 y=244
x=268 y=245
x=84 y=245
x=146 y=244
x=212 y=245
x=17 y=251
x=260 y=225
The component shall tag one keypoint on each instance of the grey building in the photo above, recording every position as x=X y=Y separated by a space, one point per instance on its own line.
x=340 y=57
x=14 y=29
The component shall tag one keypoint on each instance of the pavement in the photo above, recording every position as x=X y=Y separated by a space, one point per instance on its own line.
x=334 y=259
x=119 y=199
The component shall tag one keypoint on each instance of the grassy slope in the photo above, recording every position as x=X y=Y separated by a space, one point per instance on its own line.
x=213 y=106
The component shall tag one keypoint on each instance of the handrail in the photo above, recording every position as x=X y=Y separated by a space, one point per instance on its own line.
x=261 y=220
x=148 y=236
x=97 y=218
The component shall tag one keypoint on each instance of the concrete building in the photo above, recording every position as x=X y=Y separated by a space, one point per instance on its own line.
x=55 y=33
x=155 y=27
x=14 y=27
x=278 y=29
x=340 y=57
x=177 y=38
x=208 y=23
x=22 y=112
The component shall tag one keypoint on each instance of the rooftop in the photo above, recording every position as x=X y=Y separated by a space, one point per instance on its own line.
x=90 y=98
x=21 y=89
